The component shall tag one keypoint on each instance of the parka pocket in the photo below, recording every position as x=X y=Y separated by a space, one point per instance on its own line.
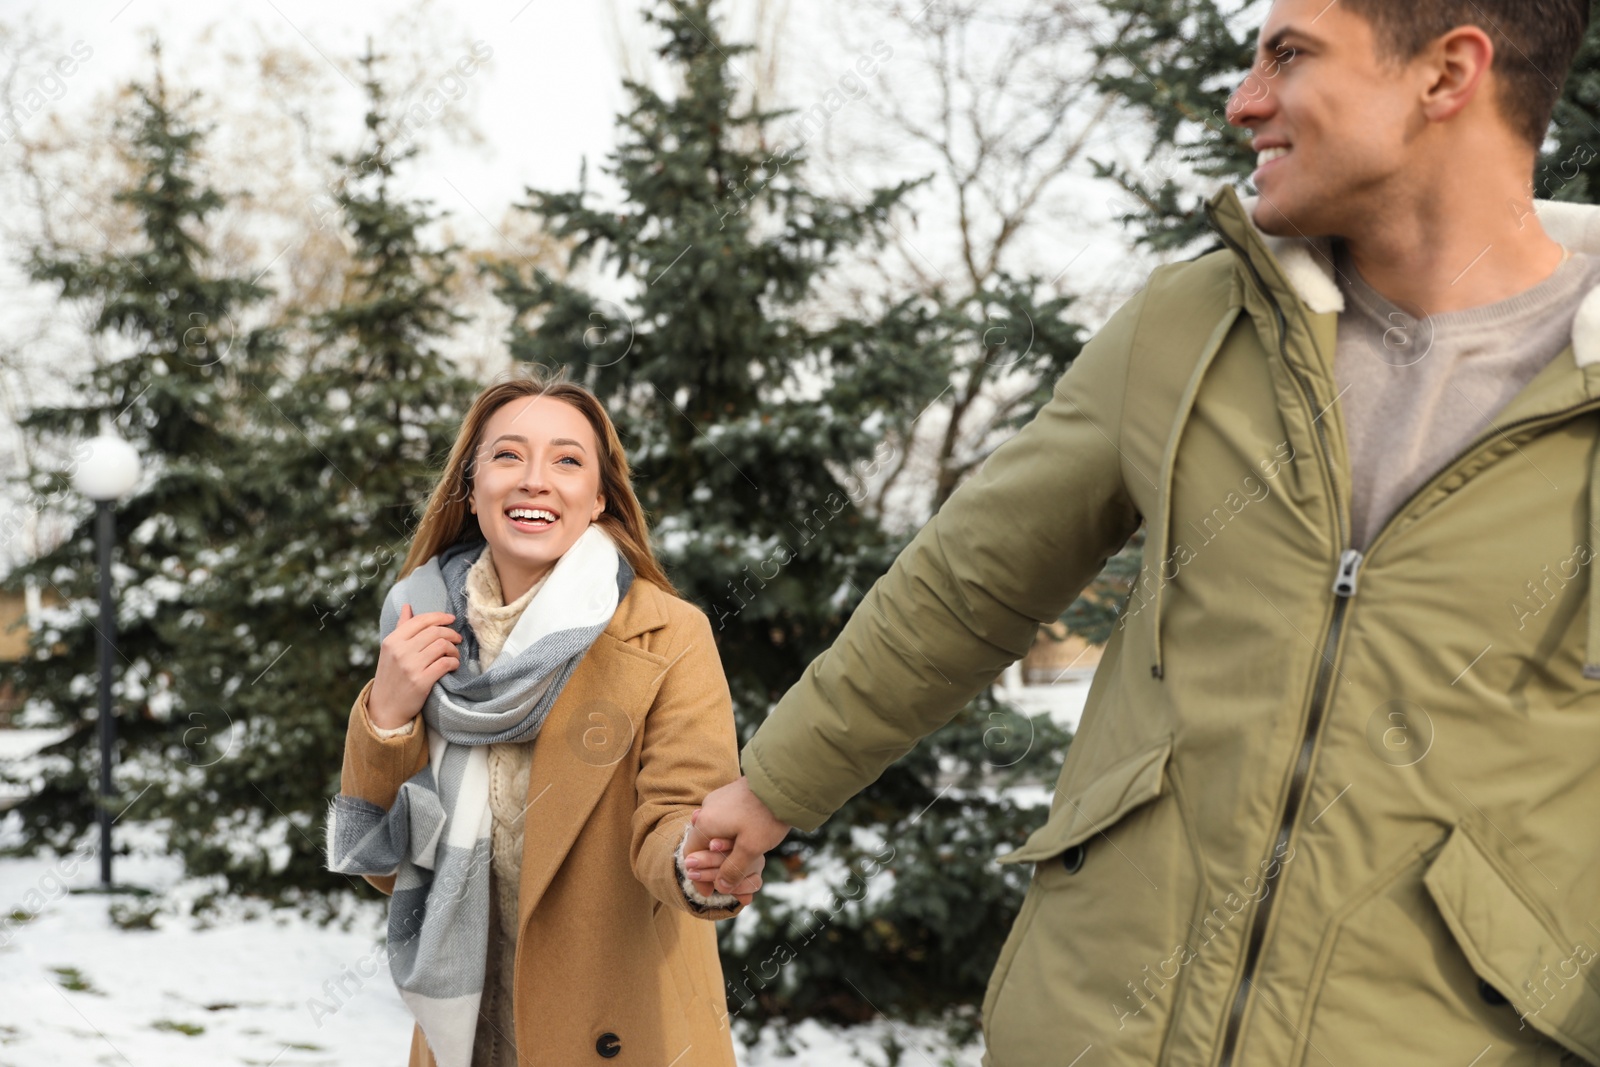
x=1118 y=790
x=1549 y=980
x=1402 y=968
x=1094 y=954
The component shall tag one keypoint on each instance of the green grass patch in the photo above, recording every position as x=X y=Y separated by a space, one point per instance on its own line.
x=75 y=980
x=190 y=1029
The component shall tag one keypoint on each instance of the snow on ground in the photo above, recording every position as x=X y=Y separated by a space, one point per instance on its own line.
x=252 y=987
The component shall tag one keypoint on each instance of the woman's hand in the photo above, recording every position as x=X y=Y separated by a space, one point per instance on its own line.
x=705 y=861
x=421 y=650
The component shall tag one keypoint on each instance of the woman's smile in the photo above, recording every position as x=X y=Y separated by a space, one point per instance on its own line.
x=531 y=520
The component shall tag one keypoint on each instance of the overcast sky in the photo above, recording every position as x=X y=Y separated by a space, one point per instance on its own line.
x=548 y=93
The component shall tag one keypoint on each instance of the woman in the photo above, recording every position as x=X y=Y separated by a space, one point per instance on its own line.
x=540 y=900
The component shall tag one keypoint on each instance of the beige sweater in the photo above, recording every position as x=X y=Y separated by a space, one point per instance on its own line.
x=1413 y=393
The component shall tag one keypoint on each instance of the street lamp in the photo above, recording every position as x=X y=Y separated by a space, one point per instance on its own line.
x=108 y=470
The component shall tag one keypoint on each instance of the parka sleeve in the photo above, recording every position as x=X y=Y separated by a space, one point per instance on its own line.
x=689 y=748
x=1010 y=549
x=375 y=766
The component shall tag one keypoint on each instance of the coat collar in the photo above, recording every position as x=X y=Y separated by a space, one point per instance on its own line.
x=1306 y=264
x=642 y=610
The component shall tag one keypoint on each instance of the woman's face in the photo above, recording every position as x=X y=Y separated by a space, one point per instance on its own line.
x=536 y=488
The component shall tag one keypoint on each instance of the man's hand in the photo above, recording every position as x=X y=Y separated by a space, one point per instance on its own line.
x=736 y=831
x=703 y=858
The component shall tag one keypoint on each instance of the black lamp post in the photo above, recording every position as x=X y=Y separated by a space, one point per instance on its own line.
x=107 y=472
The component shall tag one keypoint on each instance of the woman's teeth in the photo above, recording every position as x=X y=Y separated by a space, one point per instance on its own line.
x=536 y=517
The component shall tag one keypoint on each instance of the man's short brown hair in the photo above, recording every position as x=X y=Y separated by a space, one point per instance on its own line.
x=1534 y=42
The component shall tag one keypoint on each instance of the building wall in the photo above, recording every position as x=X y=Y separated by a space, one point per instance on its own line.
x=1057 y=656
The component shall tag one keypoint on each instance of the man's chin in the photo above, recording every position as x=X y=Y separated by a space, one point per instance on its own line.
x=1280 y=219
x=1271 y=217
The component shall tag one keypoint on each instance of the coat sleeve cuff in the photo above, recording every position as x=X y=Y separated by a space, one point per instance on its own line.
x=376 y=766
x=398 y=731
x=691 y=892
x=766 y=788
x=376 y=733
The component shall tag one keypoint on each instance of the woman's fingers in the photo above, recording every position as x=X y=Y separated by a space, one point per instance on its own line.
x=702 y=861
x=412 y=625
x=440 y=647
x=705 y=870
x=439 y=668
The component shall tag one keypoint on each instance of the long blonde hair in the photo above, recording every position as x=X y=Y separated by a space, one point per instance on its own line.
x=446 y=520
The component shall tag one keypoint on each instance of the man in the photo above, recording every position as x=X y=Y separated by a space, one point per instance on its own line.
x=1336 y=791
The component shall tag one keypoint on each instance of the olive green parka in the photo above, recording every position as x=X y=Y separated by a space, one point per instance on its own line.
x=1324 y=807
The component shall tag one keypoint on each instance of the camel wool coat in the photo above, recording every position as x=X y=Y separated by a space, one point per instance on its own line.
x=615 y=964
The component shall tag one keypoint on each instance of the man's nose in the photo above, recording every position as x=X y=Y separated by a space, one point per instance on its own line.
x=1251 y=101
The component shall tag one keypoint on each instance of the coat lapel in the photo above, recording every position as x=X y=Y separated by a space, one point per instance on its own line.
x=590 y=732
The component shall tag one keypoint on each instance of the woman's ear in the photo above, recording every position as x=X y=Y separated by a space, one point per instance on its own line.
x=599 y=506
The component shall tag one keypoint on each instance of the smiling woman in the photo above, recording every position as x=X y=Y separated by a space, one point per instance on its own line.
x=541 y=896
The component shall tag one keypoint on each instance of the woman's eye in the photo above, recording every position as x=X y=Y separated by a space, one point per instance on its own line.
x=570 y=459
x=505 y=452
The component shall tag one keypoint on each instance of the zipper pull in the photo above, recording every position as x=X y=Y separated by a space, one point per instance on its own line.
x=1349 y=567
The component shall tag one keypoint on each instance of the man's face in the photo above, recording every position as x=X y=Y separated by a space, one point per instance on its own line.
x=1335 y=126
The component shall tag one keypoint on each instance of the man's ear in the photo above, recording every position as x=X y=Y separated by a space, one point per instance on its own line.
x=1458 y=62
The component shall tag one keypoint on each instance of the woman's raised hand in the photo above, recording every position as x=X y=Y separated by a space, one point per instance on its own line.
x=421 y=650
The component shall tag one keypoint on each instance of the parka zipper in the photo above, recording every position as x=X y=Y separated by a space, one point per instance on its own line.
x=1350 y=562
x=1344 y=589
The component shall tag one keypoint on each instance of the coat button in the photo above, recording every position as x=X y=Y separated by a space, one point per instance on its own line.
x=1490 y=994
x=1072 y=859
x=609 y=1045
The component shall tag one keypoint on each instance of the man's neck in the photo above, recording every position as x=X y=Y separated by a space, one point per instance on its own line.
x=1453 y=248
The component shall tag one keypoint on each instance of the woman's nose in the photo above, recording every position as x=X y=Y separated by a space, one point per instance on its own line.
x=533 y=478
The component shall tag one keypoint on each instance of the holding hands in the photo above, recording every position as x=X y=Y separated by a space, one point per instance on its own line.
x=732 y=833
